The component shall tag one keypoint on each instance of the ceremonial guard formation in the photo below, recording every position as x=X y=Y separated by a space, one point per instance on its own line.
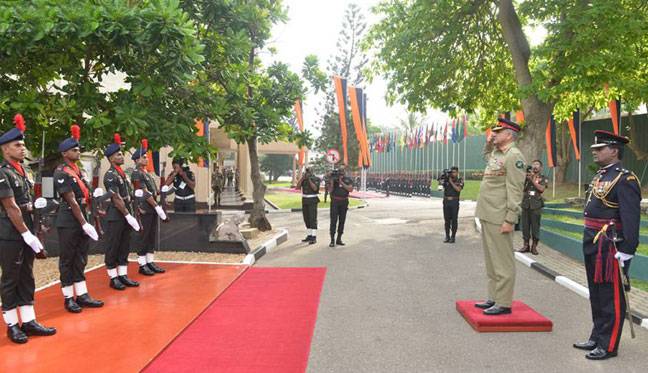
x=148 y=210
x=405 y=184
x=309 y=185
x=612 y=216
x=119 y=218
x=74 y=230
x=532 y=204
x=498 y=208
x=18 y=243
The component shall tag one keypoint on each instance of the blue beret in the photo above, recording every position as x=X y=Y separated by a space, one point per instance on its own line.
x=112 y=149
x=138 y=154
x=13 y=134
x=68 y=144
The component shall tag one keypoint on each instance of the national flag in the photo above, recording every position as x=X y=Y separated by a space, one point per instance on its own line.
x=465 y=127
x=453 y=132
x=445 y=133
x=550 y=139
x=574 y=132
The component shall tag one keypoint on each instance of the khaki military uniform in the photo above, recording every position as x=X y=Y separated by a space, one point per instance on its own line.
x=500 y=195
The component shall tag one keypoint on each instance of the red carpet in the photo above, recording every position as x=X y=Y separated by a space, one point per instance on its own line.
x=522 y=319
x=263 y=323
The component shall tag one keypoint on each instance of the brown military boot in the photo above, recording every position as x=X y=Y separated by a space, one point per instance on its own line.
x=534 y=247
x=525 y=248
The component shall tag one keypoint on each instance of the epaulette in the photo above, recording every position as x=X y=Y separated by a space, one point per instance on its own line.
x=632 y=176
x=622 y=170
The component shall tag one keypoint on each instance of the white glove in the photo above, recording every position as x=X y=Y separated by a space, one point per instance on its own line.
x=133 y=222
x=90 y=231
x=32 y=241
x=139 y=193
x=166 y=189
x=160 y=212
x=40 y=203
x=623 y=256
x=98 y=192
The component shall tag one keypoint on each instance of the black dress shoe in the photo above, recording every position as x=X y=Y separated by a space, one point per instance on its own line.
x=155 y=268
x=588 y=346
x=116 y=284
x=485 y=305
x=71 y=306
x=497 y=310
x=34 y=328
x=145 y=270
x=312 y=241
x=332 y=244
x=340 y=243
x=16 y=335
x=447 y=239
x=86 y=300
x=307 y=239
x=600 y=354
x=452 y=240
x=128 y=282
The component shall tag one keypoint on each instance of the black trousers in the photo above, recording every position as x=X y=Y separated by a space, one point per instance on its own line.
x=530 y=221
x=73 y=258
x=608 y=305
x=118 y=240
x=338 y=214
x=17 y=283
x=451 y=216
x=145 y=238
x=309 y=212
x=186 y=205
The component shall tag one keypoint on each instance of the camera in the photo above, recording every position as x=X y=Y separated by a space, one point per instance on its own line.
x=529 y=169
x=335 y=174
x=445 y=175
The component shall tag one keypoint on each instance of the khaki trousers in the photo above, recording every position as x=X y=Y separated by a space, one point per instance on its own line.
x=500 y=263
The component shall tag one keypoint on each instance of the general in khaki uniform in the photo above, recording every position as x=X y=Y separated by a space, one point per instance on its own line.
x=498 y=208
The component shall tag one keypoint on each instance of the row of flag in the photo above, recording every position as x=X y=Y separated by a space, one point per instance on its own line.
x=449 y=132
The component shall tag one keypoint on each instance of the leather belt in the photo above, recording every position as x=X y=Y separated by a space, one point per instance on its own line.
x=340 y=198
x=450 y=198
x=593 y=223
x=191 y=196
x=309 y=195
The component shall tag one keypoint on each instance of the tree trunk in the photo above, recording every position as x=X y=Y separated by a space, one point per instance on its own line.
x=536 y=112
x=257 y=215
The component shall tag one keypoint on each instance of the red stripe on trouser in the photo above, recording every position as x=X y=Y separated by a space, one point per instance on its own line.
x=617 y=309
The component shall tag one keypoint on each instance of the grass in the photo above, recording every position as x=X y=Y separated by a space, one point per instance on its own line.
x=567 y=219
x=288 y=200
x=278 y=184
x=642 y=249
x=470 y=190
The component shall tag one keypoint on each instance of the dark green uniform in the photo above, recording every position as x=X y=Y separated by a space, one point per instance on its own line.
x=118 y=231
x=145 y=238
x=532 y=204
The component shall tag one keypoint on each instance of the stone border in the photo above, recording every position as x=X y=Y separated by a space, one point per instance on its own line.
x=266 y=247
x=637 y=318
x=278 y=211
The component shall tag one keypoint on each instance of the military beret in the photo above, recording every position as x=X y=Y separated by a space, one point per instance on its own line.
x=137 y=154
x=71 y=142
x=16 y=133
x=504 y=123
x=114 y=147
x=605 y=138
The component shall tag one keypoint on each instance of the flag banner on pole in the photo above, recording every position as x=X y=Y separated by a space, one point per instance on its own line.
x=155 y=159
x=615 y=113
x=574 y=132
x=341 y=93
x=465 y=127
x=445 y=134
x=150 y=166
x=453 y=134
x=354 y=97
x=550 y=138
x=299 y=113
x=519 y=116
x=203 y=131
x=363 y=115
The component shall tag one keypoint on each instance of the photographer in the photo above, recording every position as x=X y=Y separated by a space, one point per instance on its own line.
x=309 y=185
x=184 y=183
x=340 y=187
x=532 y=204
x=452 y=185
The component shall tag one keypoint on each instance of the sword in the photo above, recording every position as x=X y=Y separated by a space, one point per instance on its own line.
x=624 y=281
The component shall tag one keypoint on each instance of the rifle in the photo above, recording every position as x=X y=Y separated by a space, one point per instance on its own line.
x=99 y=197
x=42 y=209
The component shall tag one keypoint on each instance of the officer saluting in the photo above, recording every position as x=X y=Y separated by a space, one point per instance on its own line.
x=72 y=225
x=309 y=185
x=17 y=243
x=118 y=216
x=144 y=183
x=612 y=208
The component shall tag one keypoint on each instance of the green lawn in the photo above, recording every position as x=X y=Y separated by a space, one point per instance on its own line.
x=567 y=219
x=469 y=192
x=642 y=249
x=278 y=184
x=288 y=200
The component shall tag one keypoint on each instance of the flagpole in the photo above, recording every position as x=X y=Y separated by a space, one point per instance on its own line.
x=580 y=151
x=464 y=159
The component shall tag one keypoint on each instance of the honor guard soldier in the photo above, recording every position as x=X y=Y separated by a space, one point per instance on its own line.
x=612 y=216
x=498 y=208
x=309 y=185
x=340 y=188
x=452 y=186
x=184 y=182
x=118 y=217
x=532 y=204
x=144 y=184
x=18 y=245
x=218 y=182
x=74 y=231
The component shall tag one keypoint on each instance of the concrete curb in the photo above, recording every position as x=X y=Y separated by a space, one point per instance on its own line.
x=266 y=247
x=568 y=283
x=279 y=211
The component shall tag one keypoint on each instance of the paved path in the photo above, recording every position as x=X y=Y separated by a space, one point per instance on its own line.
x=389 y=297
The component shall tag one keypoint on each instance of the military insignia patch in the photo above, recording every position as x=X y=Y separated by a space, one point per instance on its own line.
x=631 y=177
x=519 y=164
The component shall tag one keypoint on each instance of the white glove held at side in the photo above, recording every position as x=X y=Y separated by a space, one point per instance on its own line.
x=160 y=212
x=32 y=241
x=623 y=256
x=90 y=231
x=133 y=222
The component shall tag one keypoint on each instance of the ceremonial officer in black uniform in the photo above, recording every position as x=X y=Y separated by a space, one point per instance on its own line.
x=612 y=211
x=309 y=185
x=184 y=183
x=340 y=188
x=18 y=245
x=74 y=231
x=144 y=183
x=452 y=185
x=532 y=204
x=119 y=217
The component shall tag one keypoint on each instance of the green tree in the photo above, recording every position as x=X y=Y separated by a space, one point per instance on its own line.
x=474 y=55
x=276 y=165
x=55 y=56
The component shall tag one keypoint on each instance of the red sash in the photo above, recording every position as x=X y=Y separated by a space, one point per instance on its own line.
x=75 y=173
